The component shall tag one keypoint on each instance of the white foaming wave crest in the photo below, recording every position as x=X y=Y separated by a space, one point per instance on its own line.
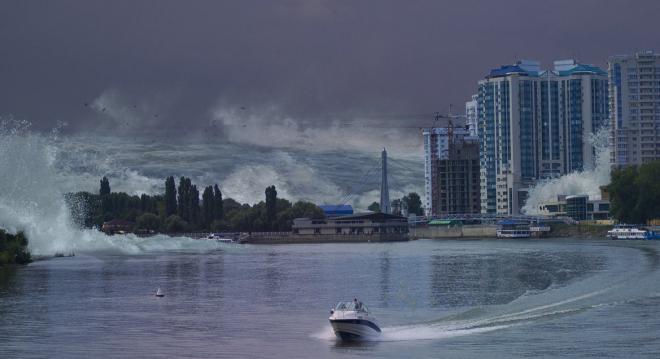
x=32 y=201
x=268 y=128
x=293 y=180
x=576 y=183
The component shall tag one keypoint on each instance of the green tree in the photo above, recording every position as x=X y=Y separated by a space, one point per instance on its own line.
x=374 y=207
x=105 y=186
x=624 y=194
x=183 y=208
x=218 y=211
x=170 y=197
x=648 y=183
x=413 y=203
x=208 y=207
x=175 y=224
x=149 y=221
x=230 y=205
x=271 y=205
x=13 y=248
x=195 y=218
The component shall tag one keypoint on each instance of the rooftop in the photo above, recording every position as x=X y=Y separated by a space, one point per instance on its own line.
x=533 y=69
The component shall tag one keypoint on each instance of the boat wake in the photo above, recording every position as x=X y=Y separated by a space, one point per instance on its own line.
x=625 y=280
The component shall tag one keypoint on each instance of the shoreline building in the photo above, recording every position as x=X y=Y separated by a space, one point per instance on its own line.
x=535 y=124
x=358 y=227
x=449 y=170
x=634 y=108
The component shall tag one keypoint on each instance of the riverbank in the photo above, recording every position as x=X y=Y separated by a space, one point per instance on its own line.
x=557 y=230
x=291 y=238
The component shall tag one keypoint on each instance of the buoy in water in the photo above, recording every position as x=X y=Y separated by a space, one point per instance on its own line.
x=159 y=293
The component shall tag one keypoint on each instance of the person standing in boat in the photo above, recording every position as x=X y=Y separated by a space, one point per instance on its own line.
x=358 y=304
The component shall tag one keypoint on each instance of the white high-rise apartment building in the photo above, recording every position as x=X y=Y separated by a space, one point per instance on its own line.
x=634 y=108
x=535 y=124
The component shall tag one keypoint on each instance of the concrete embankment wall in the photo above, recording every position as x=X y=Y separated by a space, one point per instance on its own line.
x=282 y=238
x=580 y=230
x=465 y=231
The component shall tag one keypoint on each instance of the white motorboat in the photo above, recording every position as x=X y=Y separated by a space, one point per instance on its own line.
x=214 y=237
x=352 y=321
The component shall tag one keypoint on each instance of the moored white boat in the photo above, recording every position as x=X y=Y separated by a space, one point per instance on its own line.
x=508 y=228
x=513 y=233
x=631 y=232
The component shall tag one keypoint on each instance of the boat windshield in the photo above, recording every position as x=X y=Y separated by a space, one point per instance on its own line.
x=350 y=306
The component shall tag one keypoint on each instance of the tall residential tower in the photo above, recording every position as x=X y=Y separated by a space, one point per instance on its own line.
x=634 y=108
x=535 y=124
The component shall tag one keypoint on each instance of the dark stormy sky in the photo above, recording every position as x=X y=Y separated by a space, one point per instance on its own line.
x=184 y=64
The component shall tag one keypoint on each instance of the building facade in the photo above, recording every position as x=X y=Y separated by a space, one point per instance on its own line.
x=536 y=124
x=578 y=207
x=634 y=108
x=437 y=141
x=361 y=226
x=456 y=188
x=472 y=115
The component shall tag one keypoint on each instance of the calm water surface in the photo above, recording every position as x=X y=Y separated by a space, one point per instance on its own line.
x=449 y=299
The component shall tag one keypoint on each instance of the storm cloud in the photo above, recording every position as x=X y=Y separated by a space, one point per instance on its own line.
x=186 y=65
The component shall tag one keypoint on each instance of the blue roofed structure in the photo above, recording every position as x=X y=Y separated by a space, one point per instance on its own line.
x=334 y=210
x=521 y=67
x=533 y=69
x=576 y=69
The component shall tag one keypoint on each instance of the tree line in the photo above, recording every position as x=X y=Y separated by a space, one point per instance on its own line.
x=179 y=209
x=411 y=202
x=635 y=193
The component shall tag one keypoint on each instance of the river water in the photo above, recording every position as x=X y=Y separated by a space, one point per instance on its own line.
x=449 y=299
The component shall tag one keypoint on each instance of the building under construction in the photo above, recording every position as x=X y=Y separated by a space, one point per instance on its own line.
x=452 y=172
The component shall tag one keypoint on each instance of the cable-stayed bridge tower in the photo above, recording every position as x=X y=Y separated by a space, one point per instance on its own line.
x=384 y=189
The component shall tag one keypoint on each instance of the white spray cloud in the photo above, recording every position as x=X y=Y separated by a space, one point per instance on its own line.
x=32 y=201
x=576 y=183
x=268 y=128
x=130 y=114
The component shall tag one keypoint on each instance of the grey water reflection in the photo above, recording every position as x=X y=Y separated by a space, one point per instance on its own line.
x=460 y=280
x=384 y=278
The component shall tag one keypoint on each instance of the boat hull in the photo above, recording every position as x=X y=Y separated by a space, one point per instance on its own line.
x=513 y=234
x=354 y=329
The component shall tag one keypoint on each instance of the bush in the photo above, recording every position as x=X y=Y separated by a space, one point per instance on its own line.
x=149 y=221
x=13 y=248
x=174 y=224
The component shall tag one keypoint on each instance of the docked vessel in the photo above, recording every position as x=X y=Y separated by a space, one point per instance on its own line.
x=513 y=229
x=628 y=232
x=353 y=321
